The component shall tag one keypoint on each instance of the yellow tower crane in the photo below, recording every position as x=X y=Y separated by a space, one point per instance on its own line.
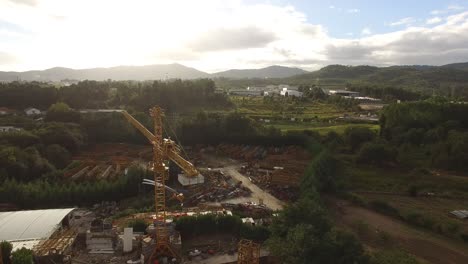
x=163 y=150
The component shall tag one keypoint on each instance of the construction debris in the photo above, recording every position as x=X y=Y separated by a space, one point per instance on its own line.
x=217 y=187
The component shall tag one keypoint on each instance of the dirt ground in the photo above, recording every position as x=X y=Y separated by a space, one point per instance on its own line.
x=231 y=167
x=269 y=200
x=385 y=232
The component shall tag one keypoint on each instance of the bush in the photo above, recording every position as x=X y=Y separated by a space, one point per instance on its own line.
x=384 y=208
x=139 y=225
x=376 y=154
x=208 y=224
x=464 y=237
x=22 y=256
x=413 y=190
x=362 y=228
x=355 y=199
x=256 y=233
x=392 y=257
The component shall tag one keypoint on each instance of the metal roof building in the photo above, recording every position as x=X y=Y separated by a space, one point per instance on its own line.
x=462 y=214
x=28 y=228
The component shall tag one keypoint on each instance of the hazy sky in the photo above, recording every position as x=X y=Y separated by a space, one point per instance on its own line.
x=217 y=35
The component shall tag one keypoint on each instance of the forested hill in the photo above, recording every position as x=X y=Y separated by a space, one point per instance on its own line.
x=148 y=72
x=447 y=80
x=274 y=71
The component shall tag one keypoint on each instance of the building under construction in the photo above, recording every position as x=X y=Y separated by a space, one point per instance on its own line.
x=49 y=233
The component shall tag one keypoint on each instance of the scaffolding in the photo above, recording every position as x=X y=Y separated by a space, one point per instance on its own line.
x=59 y=243
x=248 y=252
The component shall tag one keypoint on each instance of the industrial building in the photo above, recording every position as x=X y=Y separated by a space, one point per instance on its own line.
x=343 y=93
x=290 y=92
x=32 y=228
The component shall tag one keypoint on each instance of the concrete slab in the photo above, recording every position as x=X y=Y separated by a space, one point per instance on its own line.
x=186 y=181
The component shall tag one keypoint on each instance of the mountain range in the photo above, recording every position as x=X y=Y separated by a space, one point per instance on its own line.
x=450 y=79
x=148 y=72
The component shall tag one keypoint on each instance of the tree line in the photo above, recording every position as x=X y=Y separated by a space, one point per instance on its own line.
x=176 y=95
x=43 y=193
x=437 y=126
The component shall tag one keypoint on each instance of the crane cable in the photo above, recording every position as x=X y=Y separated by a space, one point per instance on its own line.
x=175 y=135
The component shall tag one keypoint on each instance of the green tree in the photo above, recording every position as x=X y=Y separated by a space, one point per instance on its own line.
x=356 y=136
x=6 y=248
x=302 y=233
x=325 y=173
x=22 y=256
x=58 y=156
x=61 y=112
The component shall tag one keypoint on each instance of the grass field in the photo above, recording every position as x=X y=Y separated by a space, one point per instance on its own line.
x=320 y=127
x=434 y=207
x=398 y=181
x=316 y=116
x=257 y=107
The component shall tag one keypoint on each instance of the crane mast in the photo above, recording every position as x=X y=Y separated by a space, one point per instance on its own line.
x=163 y=150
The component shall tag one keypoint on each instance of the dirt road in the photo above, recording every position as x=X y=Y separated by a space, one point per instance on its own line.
x=423 y=244
x=269 y=200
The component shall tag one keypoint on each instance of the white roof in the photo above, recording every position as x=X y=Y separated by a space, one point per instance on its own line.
x=462 y=214
x=29 y=244
x=32 y=224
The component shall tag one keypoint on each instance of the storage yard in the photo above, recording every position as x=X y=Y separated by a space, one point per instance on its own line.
x=251 y=182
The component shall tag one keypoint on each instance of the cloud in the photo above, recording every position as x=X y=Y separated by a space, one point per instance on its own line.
x=353 y=11
x=433 y=20
x=213 y=35
x=366 y=31
x=349 y=51
x=24 y=2
x=449 y=9
x=455 y=7
x=403 y=21
x=442 y=44
x=332 y=7
x=312 y=30
x=232 y=39
x=7 y=58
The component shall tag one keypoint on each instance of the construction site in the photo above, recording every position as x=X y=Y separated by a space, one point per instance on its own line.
x=251 y=182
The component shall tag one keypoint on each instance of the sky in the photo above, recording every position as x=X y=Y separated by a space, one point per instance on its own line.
x=215 y=35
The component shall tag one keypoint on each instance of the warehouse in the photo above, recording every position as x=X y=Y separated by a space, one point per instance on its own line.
x=29 y=228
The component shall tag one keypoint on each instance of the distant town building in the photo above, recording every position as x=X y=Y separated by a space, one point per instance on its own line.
x=343 y=93
x=288 y=87
x=9 y=129
x=461 y=214
x=246 y=93
x=6 y=111
x=290 y=92
x=32 y=111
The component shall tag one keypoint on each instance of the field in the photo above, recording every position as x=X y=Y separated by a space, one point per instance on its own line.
x=295 y=115
x=378 y=232
x=321 y=128
x=258 y=107
x=399 y=181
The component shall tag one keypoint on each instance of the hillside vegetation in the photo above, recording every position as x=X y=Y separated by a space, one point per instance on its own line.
x=448 y=80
